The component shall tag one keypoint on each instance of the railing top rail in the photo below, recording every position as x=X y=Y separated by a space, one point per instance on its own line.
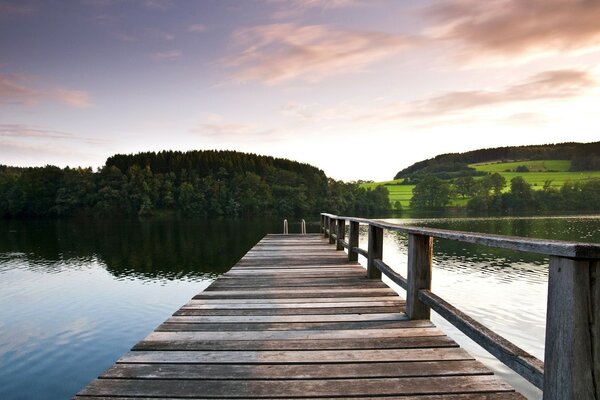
x=540 y=246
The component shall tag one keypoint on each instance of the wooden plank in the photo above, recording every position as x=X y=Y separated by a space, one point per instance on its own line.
x=294 y=357
x=288 y=318
x=472 y=396
x=298 y=283
x=295 y=371
x=298 y=300
x=290 y=311
x=295 y=335
x=295 y=388
x=323 y=291
x=272 y=306
x=284 y=326
x=300 y=344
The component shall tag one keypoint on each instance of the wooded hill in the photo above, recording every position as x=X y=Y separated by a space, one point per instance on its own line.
x=194 y=183
x=583 y=157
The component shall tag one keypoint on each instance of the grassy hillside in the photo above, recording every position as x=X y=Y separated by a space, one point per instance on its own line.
x=541 y=171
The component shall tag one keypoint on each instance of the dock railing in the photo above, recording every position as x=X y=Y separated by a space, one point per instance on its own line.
x=571 y=367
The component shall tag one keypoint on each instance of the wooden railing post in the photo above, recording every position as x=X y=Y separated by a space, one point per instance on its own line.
x=341 y=233
x=375 y=251
x=322 y=226
x=420 y=251
x=332 y=222
x=325 y=226
x=572 y=353
x=353 y=241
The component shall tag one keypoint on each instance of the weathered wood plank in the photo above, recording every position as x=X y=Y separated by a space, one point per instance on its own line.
x=473 y=396
x=288 y=318
x=295 y=371
x=283 y=326
x=295 y=388
x=295 y=335
x=298 y=300
x=292 y=357
x=216 y=305
x=300 y=344
x=290 y=311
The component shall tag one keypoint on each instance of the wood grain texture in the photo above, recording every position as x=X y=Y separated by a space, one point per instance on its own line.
x=296 y=319
x=420 y=254
x=540 y=246
x=572 y=353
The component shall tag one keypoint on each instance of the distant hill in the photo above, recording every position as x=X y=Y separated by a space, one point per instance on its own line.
x=583 y=157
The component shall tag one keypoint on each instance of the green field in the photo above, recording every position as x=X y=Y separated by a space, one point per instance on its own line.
x=533 y=166
x=541 y=171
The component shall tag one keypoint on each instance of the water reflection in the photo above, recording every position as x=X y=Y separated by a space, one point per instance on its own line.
x=165 y=249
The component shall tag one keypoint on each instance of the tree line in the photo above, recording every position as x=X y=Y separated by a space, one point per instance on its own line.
x=487 y=194
x=195 y=183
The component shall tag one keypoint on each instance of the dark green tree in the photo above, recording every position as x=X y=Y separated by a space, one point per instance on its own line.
x=431 y=193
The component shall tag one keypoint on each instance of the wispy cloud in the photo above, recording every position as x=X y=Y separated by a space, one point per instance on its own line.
x=216 y=127
x=16 y=89
x=549 y=85
x=170 y=55
x=74 y=98
x=28 y=132
x=277 y=53
x=515 y=28
x=292 y=8
x=158 y=4
x=7 y=8
x=196 y=28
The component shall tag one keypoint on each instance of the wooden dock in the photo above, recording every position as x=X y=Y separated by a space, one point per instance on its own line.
x=295 y=319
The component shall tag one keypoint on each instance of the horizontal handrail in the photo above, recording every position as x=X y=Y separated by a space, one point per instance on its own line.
x=360 y=251
x=540 y=246
x=390 y=273
x=570 y=367
x=518 y=359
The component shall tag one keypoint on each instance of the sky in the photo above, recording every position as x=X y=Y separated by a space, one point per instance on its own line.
x=360 y=89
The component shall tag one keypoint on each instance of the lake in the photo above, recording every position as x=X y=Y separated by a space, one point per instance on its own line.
x=76 y=295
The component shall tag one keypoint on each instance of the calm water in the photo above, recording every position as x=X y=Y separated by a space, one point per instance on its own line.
x=74 y=296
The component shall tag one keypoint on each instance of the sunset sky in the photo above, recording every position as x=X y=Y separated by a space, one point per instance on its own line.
x=359 y=89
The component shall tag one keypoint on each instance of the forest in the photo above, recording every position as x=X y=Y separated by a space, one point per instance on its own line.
x=194 y=183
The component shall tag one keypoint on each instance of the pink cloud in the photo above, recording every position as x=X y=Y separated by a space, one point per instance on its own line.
x=74 y=98
x=282 y=52
x=15 y=89
x=196 y=28
x=15 y=8
x=548 y=85
x=293 y=8
x=516 y=28
x=169 y=55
